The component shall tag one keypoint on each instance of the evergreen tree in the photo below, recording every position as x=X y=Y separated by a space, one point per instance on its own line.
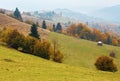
x=109 y=40
x=54 y=29
x=44 y=25
x=17 y=14
x=34 y=32
x=59 y=27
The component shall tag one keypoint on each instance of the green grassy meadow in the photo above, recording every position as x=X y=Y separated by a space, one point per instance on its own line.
x=83 y=53
x=78 y=64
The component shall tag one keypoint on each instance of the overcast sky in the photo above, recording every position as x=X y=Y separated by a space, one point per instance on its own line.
x=75 y=5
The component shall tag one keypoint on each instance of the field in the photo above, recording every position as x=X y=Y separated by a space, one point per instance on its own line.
x=78 y=63
x=83 y=53
x=16 y=66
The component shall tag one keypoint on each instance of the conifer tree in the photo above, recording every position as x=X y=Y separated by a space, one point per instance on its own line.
x=44 y=25
x=17 y=15
x=54 y=29
x=59 y=27
x=34 y=32
x=109 y=40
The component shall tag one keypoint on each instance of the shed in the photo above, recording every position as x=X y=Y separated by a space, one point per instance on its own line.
x=100 y=43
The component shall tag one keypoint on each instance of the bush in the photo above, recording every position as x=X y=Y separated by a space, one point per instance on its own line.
x=105 y=63
x=58 y=56
x=112 y=54
x=13 y=38
x=43 y=49
x=28 y=44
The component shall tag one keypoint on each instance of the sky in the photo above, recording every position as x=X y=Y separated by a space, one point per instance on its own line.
x=75 y=5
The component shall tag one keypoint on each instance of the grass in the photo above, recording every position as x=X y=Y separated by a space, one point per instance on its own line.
x=16 y=66
x=78 y=64
x=83 y=53
x=9 y=22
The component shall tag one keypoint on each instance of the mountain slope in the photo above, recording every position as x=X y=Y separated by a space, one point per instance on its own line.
x=109 y=13
x=16 y=66
x=83 y=53
x=6 y=21
x=77 y=15
x=80 y=56
x=67 y=17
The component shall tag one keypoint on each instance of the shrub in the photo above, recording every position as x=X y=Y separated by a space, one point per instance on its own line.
x=58 y=56
x=43 y=49
x=105 y=63
x=28 y=45
x=13 y=38
x=112 y=54
x=114 y=42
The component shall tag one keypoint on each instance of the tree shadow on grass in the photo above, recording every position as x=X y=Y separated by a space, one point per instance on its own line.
x=8 y=60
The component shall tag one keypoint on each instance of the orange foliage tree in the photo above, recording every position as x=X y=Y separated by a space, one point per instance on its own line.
x=83 y=31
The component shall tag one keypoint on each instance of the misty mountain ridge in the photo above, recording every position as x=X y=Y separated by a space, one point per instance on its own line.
x=111 y=14
x=78 y=15
x=67 y=17
x=66 y=13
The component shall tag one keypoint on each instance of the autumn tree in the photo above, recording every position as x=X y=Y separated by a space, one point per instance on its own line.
x=57 y=56
x=28 y=44
x=17 y=15
x=34 y=31
x=85 y=32
x=79 y=28
x=97 y=35
x=43 y=49
x=13 y=38
x=72 y=30
x=114 y=42
x=105 y=63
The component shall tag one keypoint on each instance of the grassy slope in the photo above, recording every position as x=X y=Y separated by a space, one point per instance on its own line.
x=83 y=53
x=16 y=66
x=6 y=21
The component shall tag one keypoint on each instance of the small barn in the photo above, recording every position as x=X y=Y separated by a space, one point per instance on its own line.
x=100 y=43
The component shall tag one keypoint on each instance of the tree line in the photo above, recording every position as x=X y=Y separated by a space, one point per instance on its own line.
x=84 y=32
x=80 y=30
x=31 y=44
